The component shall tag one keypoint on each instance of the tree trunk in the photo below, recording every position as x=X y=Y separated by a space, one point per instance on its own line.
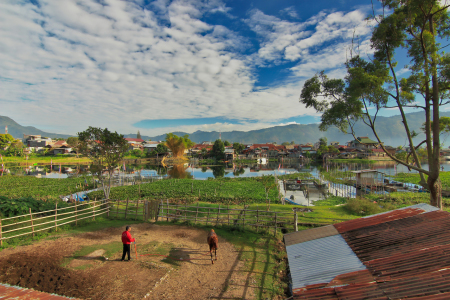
x=435 y=187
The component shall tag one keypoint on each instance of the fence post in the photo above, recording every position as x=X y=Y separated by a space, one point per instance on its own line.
x=76 y=216
x=93 y=211
x=257 y=220
x=145 y=210
x=243 y=219
x=31 y=218
x=1 y=238
x=295 y=220
x=56 y=216
x=185 y=211
x=207 y=217
x=228 y=210
x=107 y=207
x=218 y=214
x=275 y=223
x=167 y=210
x=137 y=205
x=117 y=210
x=196 y=214
x=126 y=209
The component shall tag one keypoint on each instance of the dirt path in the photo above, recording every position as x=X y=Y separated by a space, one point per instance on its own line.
x=39 y=266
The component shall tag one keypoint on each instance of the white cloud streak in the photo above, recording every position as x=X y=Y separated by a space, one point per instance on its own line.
x=70 y=64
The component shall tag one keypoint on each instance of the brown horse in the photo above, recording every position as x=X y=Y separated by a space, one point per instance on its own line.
x=213 y=242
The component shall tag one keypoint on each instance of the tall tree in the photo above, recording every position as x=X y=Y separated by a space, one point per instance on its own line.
x=73 y=143
x=177 y=144
x=371 y=86
x=218 y=150
x=138 y=135
x=238 y=147
x=106 y=149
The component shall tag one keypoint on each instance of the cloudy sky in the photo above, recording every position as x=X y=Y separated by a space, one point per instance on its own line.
x=161 y=66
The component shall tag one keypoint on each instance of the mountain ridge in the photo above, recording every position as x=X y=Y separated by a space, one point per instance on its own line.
x=390 y=129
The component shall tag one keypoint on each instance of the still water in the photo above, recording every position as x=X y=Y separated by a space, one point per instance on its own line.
x=204 y=172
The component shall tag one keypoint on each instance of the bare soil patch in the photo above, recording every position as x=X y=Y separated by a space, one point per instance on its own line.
x=92 y=276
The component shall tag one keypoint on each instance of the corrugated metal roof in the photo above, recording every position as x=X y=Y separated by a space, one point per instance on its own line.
x=308 y=235
x=406 y=252
x=321 y=260
x=15 y=292
x=377 y=219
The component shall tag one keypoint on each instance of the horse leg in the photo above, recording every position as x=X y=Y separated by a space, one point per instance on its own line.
x=215 y=252
x=210 y=252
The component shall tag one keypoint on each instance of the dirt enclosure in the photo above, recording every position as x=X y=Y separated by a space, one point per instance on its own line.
x=51 y=266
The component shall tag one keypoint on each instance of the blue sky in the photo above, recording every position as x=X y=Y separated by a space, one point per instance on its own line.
x=162 y=66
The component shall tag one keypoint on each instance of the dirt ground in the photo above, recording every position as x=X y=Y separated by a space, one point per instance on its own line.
x=39 y=266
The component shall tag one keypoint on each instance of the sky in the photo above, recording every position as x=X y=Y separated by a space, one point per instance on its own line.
x=163 y=66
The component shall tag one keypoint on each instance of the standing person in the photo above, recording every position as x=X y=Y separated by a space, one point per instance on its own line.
x=127 y=240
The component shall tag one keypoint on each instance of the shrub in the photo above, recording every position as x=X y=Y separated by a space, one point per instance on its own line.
x=362 y=207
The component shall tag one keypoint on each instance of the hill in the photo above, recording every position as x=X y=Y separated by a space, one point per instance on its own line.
x=17 y=130
x=390 y=130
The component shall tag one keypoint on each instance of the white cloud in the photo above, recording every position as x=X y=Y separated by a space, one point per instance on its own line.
x=70 y=64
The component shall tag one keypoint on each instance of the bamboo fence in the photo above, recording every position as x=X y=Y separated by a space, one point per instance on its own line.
x=32 y=223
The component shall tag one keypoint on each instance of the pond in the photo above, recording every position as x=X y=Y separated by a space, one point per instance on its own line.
x=204 y=172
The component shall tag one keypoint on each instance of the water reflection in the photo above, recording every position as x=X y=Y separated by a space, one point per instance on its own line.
x=179 y=172
x=204 y=172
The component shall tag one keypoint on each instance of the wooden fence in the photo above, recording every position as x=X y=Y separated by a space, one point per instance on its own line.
x=34 y=222
x=224 y=215
x=134 y=209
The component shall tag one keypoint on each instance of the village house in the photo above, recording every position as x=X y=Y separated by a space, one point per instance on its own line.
x=150 y=146
x=363 y=143
x=35 y=142
x=59 y=147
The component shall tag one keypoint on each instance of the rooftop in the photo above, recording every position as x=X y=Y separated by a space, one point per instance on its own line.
x=400 y=254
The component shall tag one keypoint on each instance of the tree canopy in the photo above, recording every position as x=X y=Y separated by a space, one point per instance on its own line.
x=5 y=140
x=373 y=85
x=218 y=150
x=177 y=144
x=106 y=149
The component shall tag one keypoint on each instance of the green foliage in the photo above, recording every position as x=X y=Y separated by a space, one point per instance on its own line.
x=301 y=175
x=362 y=207
x=28 y=186
x=20 y=206
x=226 y=143
x=106 y=149
x=15 y=149
x=72 y=141
x=5 y=140
x=238 y=147
x=222 y=190
x=218 y=150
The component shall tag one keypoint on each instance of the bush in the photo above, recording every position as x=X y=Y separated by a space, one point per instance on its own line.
x=21 y=206
x=362 y=207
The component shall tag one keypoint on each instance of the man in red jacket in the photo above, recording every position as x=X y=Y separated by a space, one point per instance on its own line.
x=127 y=240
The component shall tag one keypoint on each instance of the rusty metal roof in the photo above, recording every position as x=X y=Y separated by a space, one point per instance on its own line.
x=15 y=292
x=384 y=217
x=406 y=253
x=308 y=235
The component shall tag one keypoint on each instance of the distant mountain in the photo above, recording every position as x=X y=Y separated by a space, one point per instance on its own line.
x=17 y=130
x=389 y=129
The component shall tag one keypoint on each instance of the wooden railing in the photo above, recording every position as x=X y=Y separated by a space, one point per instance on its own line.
x=34 y=222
